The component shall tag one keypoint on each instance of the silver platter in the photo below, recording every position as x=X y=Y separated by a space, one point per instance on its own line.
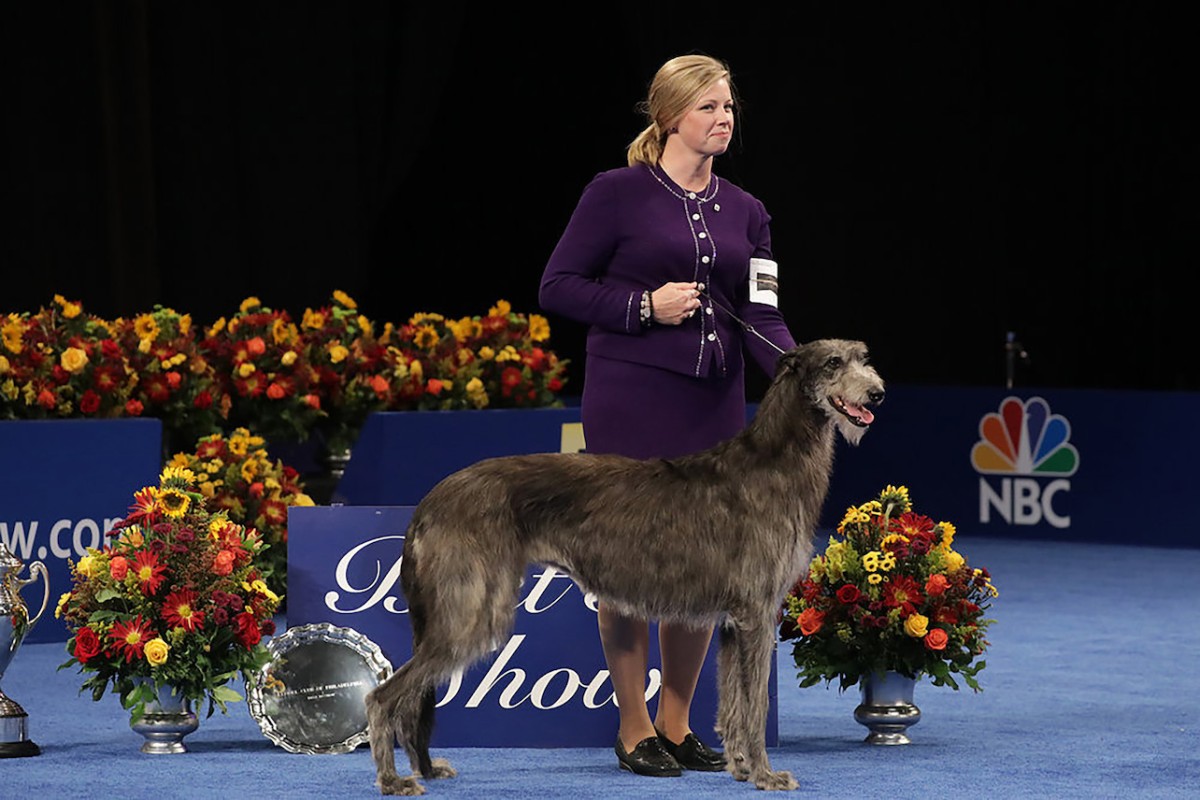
x=310 y=697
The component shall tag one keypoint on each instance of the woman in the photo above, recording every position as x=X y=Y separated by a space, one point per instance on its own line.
x=656 y=259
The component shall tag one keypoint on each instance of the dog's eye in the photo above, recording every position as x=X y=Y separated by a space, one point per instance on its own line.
x=834 y=362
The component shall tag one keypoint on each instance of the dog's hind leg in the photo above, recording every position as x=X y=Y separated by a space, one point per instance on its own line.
x=745 y=697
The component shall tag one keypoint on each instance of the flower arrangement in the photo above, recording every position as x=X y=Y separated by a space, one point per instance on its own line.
x=889 y=593
x=175 y=381
x=235 y=475
x=259 y=359
x=478 y=362
x=177 y=599
x=352 y=368
x=63 y=362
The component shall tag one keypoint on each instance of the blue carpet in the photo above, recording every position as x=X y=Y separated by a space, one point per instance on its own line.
x=1091 y=691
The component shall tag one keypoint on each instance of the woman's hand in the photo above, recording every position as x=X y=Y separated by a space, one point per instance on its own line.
x=675 y=302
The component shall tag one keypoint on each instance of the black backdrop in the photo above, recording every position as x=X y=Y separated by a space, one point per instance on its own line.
x=938 y=173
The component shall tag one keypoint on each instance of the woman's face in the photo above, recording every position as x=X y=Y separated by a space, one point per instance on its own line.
x=708 y=127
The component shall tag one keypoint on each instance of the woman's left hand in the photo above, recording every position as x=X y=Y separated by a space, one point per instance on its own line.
x=675 y=302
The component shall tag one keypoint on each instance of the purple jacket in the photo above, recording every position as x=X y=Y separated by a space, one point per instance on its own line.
x=636 y=229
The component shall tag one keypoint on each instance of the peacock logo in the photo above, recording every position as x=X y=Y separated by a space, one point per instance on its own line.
x=1023 y=438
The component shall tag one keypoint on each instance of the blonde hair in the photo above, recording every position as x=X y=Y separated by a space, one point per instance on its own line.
x=674 y=89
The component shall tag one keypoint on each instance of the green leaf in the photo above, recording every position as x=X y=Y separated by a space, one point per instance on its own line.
x=223 y=694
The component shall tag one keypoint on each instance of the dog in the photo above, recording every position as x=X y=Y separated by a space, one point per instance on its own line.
x=720 y=536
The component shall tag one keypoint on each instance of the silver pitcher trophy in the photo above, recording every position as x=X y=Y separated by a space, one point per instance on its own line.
x=14 y=624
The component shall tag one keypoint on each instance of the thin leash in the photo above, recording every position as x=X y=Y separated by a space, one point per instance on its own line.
x=746 y=325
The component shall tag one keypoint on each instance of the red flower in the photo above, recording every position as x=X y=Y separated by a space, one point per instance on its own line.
x=131 y=637
x=155 y=388
x=247 y=629
x=87 y=645
x=179 y=610
x=134 y=408
x=276 y=391
x=904 y=593
x=89 y=403
x=849 y=594
x=149 y=572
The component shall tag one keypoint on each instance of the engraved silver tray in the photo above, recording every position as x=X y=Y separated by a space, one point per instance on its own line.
x=310 y=697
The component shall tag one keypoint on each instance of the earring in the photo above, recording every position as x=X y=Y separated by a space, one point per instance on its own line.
x=673 y=130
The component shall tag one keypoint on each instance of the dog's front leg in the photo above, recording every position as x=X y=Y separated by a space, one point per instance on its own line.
x=746 y=718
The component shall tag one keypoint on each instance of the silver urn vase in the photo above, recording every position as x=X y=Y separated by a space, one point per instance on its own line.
x=167 y=719
x=15 y=623
x=887 y=708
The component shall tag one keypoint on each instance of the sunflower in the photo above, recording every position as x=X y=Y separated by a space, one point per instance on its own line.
x=174 y=503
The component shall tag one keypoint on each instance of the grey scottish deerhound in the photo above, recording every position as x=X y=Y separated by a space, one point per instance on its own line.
x=720 y=536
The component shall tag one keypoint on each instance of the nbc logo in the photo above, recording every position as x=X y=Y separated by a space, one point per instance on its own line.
x=1021 y=443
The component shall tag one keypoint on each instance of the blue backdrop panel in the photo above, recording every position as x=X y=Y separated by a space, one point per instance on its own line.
x=1082 y=465
x=547 y=686
x=63 y=483
x=400 y=455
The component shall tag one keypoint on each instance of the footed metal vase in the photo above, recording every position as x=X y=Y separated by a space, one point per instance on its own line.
x=887 y=708
x=14 y=625
x=167 y=719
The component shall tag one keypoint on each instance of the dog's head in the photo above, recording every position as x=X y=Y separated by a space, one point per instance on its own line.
x=838 y=379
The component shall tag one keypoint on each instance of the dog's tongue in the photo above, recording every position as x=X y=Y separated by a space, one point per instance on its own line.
x=862 y=412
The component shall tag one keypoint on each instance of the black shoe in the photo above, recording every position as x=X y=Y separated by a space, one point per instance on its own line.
x=648 y=758
x=694 y=754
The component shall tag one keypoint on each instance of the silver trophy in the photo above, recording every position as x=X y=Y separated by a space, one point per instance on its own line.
x=14 y=624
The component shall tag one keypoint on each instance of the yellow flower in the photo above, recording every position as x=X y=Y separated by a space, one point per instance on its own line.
x=177 y=473
x=954 y=561
x=486 y=353
x=174 y=503
x=4 y=365
x=948 y=532
x=344 y=299
x=249 y=303
x=216 y=328
x=289 y=358
x=417 y=319
x=245 y=369
x=312 y=320
x=916 y=626
x=86 y=566
x=69 y=310
x=426 y=337
x=502 y=309
x=12 y=332
x=301 y=499
x=156 y=651
x=338 y=353
x=871 y=561
x=365 y=325
x=73 y=360
x=416 y=370
x=146 y=327
x=874 y=578
x=539 y=328
x=62 y=604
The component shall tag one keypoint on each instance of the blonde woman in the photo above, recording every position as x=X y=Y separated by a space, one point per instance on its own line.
x=661 y=259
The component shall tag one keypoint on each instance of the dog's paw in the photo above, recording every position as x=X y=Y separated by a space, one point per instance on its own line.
x=442 y=769
x=403 y=787
x=737 y=766
x=775 y=781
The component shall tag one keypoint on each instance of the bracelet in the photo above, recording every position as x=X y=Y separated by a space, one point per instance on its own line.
x=646 y=312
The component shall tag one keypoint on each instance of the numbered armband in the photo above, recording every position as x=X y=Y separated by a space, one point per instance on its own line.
x=764 y=282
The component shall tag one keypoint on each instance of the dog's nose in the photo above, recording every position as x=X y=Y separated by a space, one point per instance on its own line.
x=876 y=396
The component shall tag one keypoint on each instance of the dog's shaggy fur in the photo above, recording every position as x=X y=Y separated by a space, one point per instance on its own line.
x=719 y=536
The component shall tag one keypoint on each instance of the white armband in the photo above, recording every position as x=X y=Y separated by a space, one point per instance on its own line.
x=764 y=282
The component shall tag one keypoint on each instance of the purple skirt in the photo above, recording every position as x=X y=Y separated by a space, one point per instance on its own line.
x=646 y=412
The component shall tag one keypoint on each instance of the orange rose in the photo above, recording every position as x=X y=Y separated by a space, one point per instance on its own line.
x=811 y=621
x=937 y=639
x=936 y=585
x=256 y=346
x=223 y=563
x=276 y=392
x=118 y=568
